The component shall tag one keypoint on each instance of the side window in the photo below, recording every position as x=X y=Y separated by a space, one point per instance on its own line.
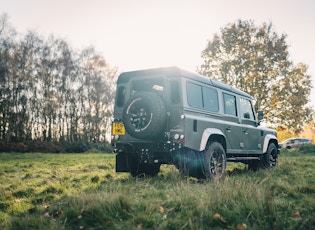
x=121 y=94
x=194 y=95
x=210 y=99
x=229 y=104
x=175 y=98
x=246 y=109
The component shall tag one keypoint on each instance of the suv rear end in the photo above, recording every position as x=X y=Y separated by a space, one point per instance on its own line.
x=147 y=126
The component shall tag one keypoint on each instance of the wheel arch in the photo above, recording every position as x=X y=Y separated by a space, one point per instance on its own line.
x=270 y=138
x=210 y=135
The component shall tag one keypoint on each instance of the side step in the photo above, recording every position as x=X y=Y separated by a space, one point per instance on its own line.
x=242 y=158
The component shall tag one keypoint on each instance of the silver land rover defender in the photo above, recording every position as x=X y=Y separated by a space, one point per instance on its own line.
x=172 y=116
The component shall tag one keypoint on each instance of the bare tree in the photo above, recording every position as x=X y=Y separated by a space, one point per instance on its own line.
x=49 y=92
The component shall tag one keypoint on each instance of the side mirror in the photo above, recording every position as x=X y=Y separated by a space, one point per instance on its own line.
x=260 y=115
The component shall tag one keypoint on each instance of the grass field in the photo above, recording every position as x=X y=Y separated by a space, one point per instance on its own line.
x=82 y=191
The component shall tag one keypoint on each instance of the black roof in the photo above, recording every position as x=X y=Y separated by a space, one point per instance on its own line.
x=174 y=71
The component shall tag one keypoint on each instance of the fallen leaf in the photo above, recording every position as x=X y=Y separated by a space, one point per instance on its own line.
x=217 y=216
x=241 y=226
x=161 y=209
x=297 y=215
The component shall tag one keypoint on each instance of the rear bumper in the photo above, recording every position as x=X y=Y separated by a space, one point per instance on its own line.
x=148 y=153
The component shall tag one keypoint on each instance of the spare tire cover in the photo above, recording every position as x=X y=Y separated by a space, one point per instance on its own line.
x=144 y=115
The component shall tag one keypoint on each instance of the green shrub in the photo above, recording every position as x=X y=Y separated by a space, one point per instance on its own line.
x=307 y=148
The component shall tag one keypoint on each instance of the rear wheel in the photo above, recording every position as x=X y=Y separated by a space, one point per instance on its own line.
x=214 y=163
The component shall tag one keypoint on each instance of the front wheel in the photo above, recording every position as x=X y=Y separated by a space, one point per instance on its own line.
x=270 y=158
x=214 y=162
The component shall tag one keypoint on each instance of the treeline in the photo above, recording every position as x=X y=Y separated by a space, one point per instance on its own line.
x=52 y=93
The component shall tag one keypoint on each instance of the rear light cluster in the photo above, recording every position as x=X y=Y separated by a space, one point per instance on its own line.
x=114 y=138
x=179 y=136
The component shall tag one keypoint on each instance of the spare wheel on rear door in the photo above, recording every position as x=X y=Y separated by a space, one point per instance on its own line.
x=144 y=115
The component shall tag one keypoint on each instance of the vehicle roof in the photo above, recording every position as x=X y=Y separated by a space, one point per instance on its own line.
x=174 y=71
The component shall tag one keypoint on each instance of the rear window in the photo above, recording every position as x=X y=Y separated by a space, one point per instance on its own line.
x=152 y=84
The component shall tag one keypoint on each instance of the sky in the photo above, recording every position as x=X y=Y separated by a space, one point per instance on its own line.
x=141 y=34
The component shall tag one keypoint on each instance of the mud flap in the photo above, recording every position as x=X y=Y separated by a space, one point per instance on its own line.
x=123 y=162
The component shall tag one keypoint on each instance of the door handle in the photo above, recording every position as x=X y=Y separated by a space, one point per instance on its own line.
x=228 y=129
x=245 y=132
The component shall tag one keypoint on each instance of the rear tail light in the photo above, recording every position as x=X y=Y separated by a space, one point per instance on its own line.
x=114 y=138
